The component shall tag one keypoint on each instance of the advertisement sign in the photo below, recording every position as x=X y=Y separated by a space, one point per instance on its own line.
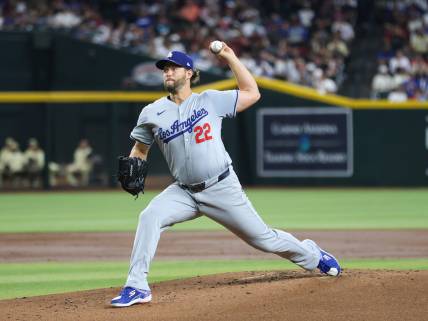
x=304 y=142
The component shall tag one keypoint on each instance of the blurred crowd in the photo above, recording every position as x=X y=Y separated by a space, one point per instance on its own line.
x=25 y=168
x=301 y=41
x=403 y=61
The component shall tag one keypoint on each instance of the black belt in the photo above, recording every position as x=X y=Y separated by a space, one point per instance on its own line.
x=201 y=186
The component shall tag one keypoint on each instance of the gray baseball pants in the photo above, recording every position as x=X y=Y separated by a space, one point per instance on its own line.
x=224 y=202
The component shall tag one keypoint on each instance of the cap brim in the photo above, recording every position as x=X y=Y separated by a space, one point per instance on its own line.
x=161 y=63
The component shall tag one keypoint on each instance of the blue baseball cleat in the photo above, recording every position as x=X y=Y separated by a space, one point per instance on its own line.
x=129 y=296
x=328 y=264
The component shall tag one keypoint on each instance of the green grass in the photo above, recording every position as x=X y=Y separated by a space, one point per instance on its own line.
x=117 y=211
x=283 y=208
x=18 y=280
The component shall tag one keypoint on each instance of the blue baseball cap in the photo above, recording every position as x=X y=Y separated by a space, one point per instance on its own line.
x=176 y=57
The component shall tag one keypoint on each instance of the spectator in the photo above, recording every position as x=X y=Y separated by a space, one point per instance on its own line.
x=252 y=25
x=386 y=53
x=417 y=87
x=382 y=83
x=78 y=172
x=337 y=45
x=65 y=19
x=396 y=33
x=55 y=171
x=319 y=40
x=323 y=84
x=419 y=41
x=398 y=95
x=306 y=14
x=117 y=33
x=415 y=20
x=249 y=62
x=164 y=45
x=34 y=160
x=297 y=33
x=12 y=163
x=399 y=61
x=190 y=11
x=286 y=69
x=400 y=77
x=102 y=33
x=344 y=28
x=419 y=65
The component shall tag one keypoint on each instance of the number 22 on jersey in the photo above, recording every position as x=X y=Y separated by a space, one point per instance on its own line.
x=202 y=133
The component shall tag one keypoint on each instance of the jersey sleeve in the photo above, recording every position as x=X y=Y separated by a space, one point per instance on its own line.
x=223 y=101
x=142 y=132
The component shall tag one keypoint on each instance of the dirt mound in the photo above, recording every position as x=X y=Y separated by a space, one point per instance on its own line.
x=279 y=295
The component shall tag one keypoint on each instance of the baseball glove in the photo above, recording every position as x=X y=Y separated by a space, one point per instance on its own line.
x=132 y=174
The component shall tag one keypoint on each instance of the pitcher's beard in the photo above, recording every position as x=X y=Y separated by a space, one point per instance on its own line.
x=175 y=86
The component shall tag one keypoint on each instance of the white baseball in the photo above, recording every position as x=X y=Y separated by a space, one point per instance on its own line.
x=216 y=46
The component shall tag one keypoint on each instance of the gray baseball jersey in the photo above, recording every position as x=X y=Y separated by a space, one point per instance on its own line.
x=189 y=135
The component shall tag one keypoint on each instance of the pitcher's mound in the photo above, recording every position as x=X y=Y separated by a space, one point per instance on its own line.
x=276 y=295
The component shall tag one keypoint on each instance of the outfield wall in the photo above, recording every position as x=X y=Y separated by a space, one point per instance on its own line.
x=363 y=147
x=389 y=145
x=368 y=143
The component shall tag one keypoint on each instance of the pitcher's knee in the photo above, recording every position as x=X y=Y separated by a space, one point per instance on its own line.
x=148 y=217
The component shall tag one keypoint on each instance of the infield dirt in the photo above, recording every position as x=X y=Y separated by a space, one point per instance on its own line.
x=117 y=246
x=360 y=295
x=291 y=295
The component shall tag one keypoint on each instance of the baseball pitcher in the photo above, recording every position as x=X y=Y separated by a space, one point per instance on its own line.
x=187 y=128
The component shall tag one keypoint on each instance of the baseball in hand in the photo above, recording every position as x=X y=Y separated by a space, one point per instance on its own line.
x=216 y=46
